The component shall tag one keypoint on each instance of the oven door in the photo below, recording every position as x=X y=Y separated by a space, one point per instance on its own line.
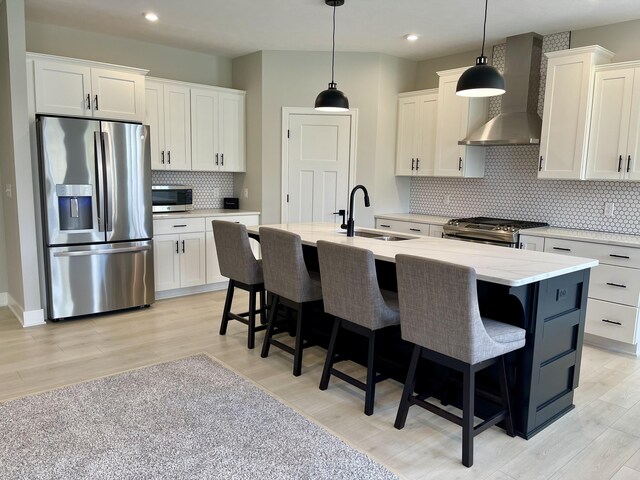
x=477 y=240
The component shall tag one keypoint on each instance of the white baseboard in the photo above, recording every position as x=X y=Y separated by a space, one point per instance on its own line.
x=3 y=299
x=28 y=318
x=181 y=292
x=614 y=345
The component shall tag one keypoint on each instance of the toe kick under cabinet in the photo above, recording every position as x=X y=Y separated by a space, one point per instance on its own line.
x=614 y=290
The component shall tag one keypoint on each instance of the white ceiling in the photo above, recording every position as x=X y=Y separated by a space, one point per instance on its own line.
x=233 y=28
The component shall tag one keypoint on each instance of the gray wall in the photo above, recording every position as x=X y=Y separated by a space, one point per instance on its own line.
x=161 y=61
x=621 y=38
x=15 y=163
x=427 y=76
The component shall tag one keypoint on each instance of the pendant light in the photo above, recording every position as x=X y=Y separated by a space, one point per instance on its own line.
x=332 y=99
x=483 y=80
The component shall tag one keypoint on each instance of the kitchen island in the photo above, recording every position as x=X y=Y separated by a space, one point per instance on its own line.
x=543 y=293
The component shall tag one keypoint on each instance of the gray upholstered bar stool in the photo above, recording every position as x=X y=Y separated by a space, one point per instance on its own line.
x=287 y=278
x=440 y=316
x=351 y=293
x=237 y=262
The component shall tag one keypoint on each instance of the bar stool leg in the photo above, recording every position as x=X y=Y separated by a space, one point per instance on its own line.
x=506 y=401
x=468 y=410
x=263 y=307
x=409 y=387
x=297 y=356
x=252 y=317
x=328 y=363
x=370 y=392
x=272 y=318
x=227 y=308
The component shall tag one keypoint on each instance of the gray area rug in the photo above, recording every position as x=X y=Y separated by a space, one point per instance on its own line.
x=190 y=418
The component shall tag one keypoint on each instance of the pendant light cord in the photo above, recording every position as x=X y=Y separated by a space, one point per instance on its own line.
x=333 y=44
x=484 y=29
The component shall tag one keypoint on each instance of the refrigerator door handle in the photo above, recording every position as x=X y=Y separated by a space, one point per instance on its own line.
x=100 y=192
x=105 y=251
x=108 y=181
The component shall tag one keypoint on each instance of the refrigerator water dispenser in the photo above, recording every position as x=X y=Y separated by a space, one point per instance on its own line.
x=75 y=206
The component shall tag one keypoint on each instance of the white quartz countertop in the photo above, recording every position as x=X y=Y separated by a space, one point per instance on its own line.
x=506 y=266
x=414 y=217
x=584 y=235
x=205 y=212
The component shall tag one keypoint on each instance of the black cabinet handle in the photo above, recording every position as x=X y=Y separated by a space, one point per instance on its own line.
x=385 y=226
x=217 y=159
x=459 y=163
x=162 y=156
x=176 y=226
x=95 y=102
x=412 y=162
x=620 y=163
x=619 y=285
x=182 y=246
x=169 y=157
x=619 y=256
x=417 y=164
x=177 y=251
x=88 y=101
x=540 y=165
x=611 y=321
x=563 y=249
x=222 y=159
x=415 y=229
x=628 y=163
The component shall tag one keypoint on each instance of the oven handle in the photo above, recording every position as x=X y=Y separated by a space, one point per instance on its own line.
x=473 y=240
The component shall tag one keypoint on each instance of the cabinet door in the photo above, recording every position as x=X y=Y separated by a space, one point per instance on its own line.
x=117 y=95
x=528 y=242
x=192 y=259
x=408 y=119
x=213 y=267
x=436 y=231
x=609 y=132
x=154 y=117
x=204 y=130
x=426 y=139
x=63 y=88
x=166 y=261
x=633 y=144
x=231 y=132
x=177 y=127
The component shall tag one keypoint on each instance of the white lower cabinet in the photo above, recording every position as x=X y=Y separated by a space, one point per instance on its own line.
x=179 y=260
x=528 y=242
x=614 y=287
x=413 y=228
x=166 y=262
x=213 y=267
x=192 y=259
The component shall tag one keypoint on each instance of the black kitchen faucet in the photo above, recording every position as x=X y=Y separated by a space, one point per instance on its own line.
x=350 y=223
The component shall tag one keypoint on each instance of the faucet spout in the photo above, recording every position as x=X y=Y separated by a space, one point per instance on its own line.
x=351 y=227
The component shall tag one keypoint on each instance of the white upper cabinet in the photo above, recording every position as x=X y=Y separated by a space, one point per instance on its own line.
x=177 y=127
x=154 y=117
x=457 y=117
x=217 y=123
x=88 y=89
x=613 y=137
x=416 y=143
x=567 y=107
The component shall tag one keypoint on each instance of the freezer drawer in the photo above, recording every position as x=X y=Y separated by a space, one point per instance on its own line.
x=99 y=278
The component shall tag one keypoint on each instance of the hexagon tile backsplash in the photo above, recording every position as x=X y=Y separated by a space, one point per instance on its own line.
x=511 y=189
x=203 y=184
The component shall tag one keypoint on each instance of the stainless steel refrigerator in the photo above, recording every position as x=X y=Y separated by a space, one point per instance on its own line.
x=97 y=219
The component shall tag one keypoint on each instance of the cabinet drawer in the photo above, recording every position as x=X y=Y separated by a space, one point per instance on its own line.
x=248 y=220
x=607 y=254
x=610 y=320
x=615 y=284
x=414 y=228
x=179 y=225
x=392 y=225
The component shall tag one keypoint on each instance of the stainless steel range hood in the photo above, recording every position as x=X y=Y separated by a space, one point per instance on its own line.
x=519 y=122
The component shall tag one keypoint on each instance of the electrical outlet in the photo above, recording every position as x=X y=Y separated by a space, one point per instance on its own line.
x=446 y=199
x=608 y=209
x=216 y=192
x=246 y=193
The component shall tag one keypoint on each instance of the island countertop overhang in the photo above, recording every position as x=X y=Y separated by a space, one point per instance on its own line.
x=495 y=264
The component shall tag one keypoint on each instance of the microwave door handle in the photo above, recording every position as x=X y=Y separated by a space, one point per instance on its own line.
x=108 y=182
x=97 y=139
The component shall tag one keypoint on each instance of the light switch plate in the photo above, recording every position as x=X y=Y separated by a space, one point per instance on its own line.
x=608 y=209
x=216 y=192
x=246 y=193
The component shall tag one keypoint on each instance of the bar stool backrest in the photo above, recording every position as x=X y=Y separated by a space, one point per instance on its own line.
x=235 y=258
x=350 y=284
x=439 y=308
x=285 y=272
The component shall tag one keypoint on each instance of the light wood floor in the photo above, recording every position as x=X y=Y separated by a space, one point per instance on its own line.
x=600 y=439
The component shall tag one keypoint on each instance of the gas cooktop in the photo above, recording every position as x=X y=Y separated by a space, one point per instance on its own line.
x=500 y=231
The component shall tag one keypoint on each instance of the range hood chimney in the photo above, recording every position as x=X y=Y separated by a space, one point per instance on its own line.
x=519 y=122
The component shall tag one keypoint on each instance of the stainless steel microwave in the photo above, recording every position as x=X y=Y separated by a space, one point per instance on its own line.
x=172 y=198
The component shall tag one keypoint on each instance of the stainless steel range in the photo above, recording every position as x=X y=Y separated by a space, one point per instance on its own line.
x=494 y=231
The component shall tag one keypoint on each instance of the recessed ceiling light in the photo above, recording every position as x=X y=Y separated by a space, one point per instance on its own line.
x=412 y=37
x=152 y=17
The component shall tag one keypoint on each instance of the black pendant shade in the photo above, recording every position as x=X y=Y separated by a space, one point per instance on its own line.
x=483 y=80
x=332 y=99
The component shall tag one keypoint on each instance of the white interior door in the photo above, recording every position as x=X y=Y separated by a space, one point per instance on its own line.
x=319 y=152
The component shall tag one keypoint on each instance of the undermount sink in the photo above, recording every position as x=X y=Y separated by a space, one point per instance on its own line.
x=378 y=236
